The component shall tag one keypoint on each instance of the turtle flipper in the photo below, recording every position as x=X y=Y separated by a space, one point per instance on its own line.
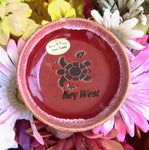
x=62 y=62
x=61 y=81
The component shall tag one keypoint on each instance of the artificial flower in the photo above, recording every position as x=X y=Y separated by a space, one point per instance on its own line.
x=7 y=137
x=60 y=140
x=135 y=111
x=123 y=30
x=78 y=6
x=128 y=8
x=136 y=108
x=12 y=107
x=142 y=41
x=20 y=18
x=13 y=19
x=22 y=138
x=39 y=10
x=63 y=9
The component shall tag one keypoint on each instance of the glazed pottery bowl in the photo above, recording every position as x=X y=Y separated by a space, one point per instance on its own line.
x=73 y=74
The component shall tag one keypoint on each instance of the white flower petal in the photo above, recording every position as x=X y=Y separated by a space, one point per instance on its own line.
x=14 y=144
x=143 y=19
x=130 y=5
x=134 y=45
x=5 y=116
x=115 y=20
x=12 y=119
x=120 y=3
x=4 y=103
x=4 y=59
x=7 y=136
x=127 y=25
x=123 y=31
x=135 y=5
x=7 y=71
x=133 y=34
x=25 y=115
x=4 y=79
x=97 y=17
x=106 y=19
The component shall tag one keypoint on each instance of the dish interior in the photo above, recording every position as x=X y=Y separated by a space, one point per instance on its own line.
x=77 y=84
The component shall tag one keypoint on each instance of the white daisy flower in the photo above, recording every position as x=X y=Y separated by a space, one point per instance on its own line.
x=123 y=31
x=128 y=8
x=12 y=107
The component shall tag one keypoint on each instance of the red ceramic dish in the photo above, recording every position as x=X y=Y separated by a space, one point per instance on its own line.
x=73 y=74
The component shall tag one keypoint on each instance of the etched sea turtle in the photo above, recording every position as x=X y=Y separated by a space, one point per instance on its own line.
x=74 y=71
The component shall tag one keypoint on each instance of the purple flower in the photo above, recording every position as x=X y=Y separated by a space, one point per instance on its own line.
x=60 y=140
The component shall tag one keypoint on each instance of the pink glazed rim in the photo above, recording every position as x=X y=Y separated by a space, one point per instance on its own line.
x=74 y=125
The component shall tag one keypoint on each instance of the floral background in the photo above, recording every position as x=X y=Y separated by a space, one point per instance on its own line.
x=128 y=129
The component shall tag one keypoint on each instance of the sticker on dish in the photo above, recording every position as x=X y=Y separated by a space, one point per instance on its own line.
x=58 y=46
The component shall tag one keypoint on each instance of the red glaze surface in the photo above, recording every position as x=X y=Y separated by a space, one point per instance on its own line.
x=86 y=98
x=47 y=83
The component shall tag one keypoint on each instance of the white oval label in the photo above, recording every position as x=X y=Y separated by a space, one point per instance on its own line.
x=58 y=46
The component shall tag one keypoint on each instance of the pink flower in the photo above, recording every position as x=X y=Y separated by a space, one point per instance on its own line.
x=12 y=107
x=142 y=41
x=135 y=111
